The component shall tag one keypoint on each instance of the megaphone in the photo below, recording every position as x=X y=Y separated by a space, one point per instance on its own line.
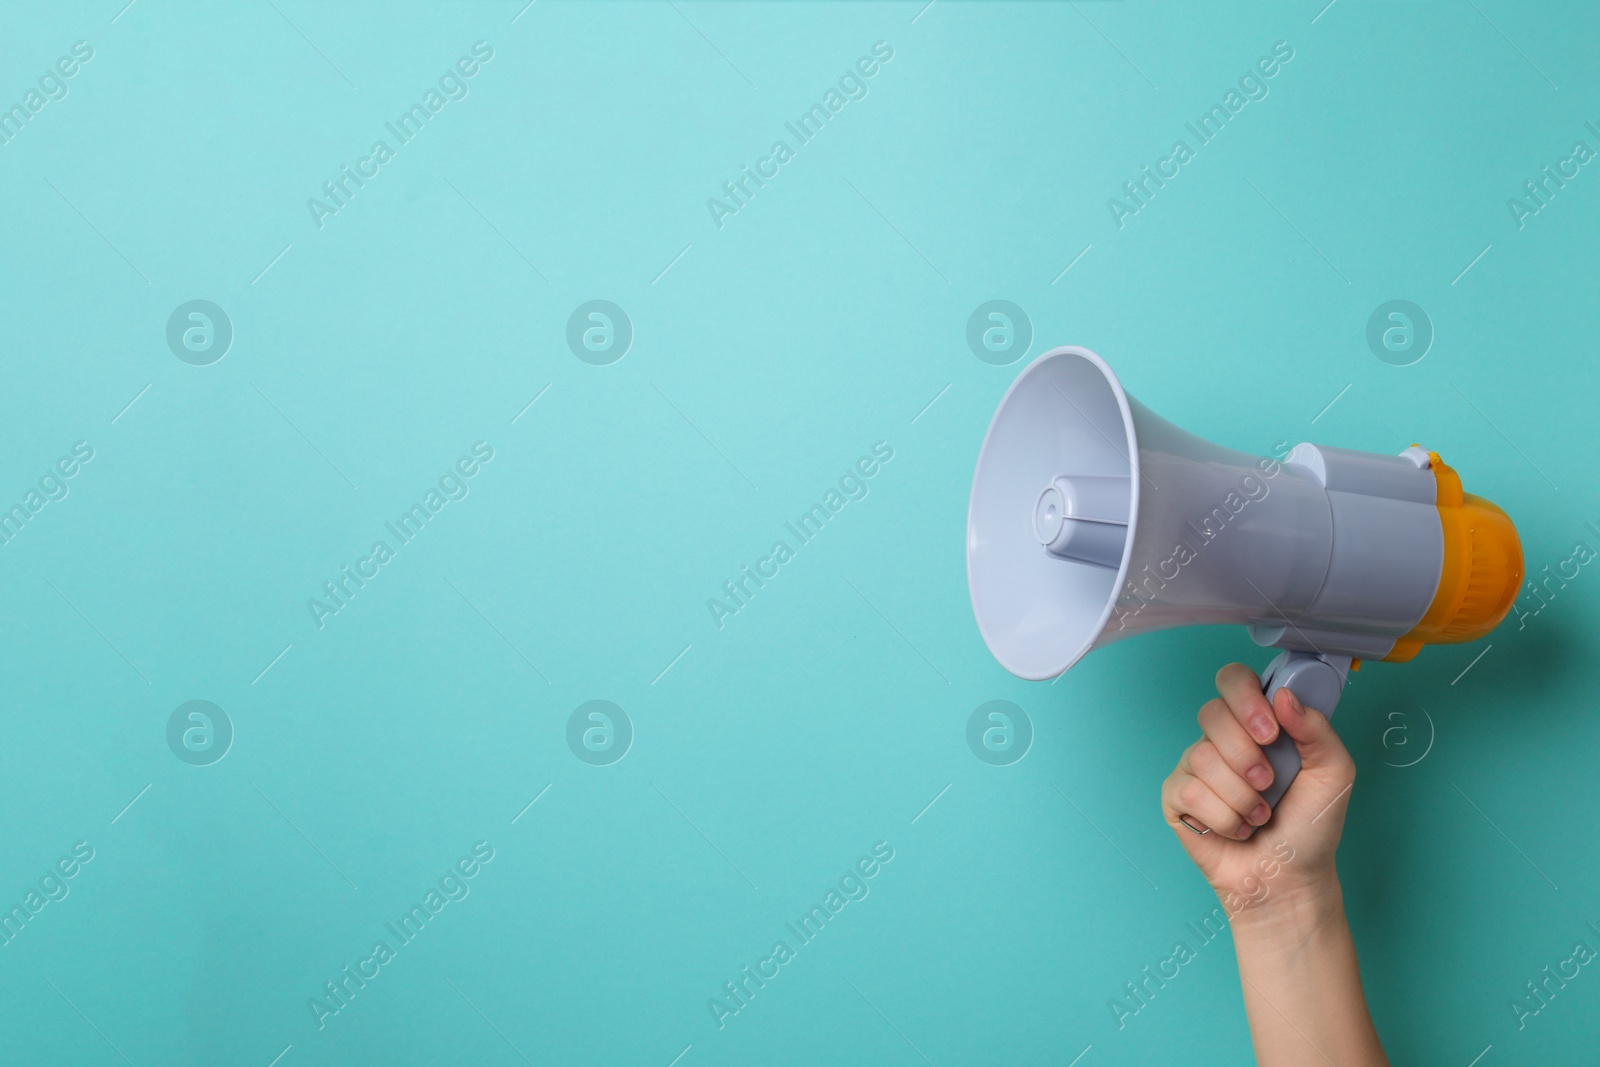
x=1093 y=519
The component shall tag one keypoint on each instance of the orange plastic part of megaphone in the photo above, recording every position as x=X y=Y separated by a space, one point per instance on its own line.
x=1482 y=570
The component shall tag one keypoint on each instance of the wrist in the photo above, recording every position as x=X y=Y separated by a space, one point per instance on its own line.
x=1292 y=919
x=1297 y=962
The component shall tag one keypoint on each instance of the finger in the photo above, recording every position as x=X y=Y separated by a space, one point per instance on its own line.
x=1184 y=794
x=1206 y=763
x=1314 y=736
x=1241 y=688
x=1223 y=728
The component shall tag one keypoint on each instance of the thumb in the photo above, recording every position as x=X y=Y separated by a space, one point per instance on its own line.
x=1313 y=734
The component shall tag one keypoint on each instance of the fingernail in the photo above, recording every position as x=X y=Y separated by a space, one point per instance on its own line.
x=1261 y=814
x=1294 y=702
x=1259 y=776
x=1245 y=831
x=1261 y=727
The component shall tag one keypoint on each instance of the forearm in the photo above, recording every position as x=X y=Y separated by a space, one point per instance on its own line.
x=1302 y=984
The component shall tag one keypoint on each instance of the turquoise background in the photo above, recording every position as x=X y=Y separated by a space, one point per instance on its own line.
x=769 y=354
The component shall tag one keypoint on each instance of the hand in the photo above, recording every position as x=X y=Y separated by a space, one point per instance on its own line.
x=1276 y=879
x=1216 y=786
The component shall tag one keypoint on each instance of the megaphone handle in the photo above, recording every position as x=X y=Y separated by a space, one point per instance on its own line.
x=1318 y=681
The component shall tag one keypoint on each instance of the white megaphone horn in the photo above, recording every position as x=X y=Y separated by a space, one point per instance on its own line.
x=1092 y=519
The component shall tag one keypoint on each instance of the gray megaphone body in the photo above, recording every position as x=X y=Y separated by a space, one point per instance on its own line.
x=1093 y=519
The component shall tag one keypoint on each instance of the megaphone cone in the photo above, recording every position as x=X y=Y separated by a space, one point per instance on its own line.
x=1092 y=518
